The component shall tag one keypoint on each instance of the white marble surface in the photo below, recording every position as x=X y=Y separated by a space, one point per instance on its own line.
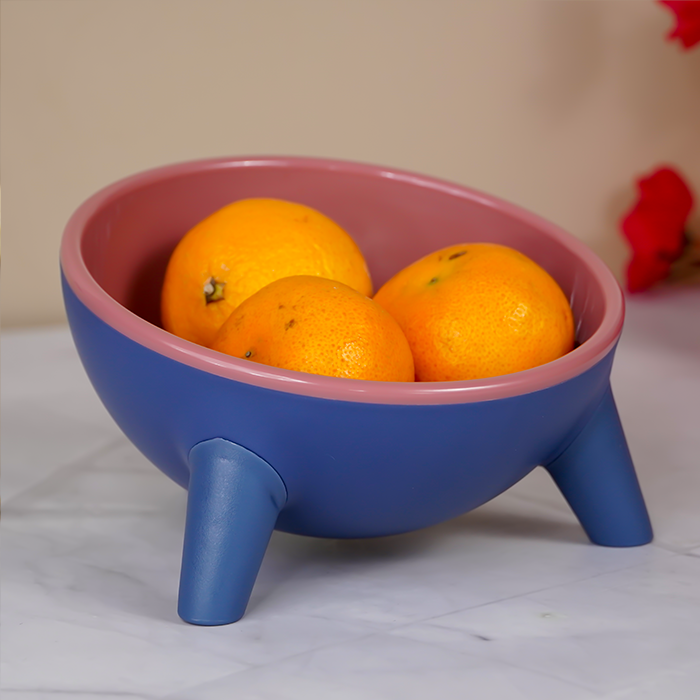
x=507 y=602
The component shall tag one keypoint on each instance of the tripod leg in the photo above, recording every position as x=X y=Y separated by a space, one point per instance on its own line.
x=597 y=477
x=234 y=498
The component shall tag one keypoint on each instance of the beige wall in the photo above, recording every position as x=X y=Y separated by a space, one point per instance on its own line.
x=553 y=105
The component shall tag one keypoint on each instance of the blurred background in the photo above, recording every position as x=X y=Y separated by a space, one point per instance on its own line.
x=555 y=105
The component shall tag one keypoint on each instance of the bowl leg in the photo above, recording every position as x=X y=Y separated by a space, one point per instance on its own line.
x=597 y=477
x=233 y=501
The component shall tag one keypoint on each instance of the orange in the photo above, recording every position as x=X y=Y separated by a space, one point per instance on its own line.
x=478 y=310
x=239 y=249
x=316 y=325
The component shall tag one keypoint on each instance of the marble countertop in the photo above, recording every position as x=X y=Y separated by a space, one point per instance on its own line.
x=509 y=601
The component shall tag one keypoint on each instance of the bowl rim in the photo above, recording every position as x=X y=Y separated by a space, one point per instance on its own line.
x=121 y=319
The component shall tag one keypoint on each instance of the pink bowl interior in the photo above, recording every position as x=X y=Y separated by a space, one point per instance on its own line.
x=117 y=245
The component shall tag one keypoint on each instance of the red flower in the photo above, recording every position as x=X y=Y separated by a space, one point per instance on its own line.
x=687 y=29
x=655 y=227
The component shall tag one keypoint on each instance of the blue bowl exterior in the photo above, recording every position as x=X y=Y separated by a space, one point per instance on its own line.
x=351 y=469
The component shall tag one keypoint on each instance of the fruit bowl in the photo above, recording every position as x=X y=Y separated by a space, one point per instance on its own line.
x=260 y=448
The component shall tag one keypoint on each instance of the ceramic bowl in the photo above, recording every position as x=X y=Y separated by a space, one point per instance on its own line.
x=260 y=448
